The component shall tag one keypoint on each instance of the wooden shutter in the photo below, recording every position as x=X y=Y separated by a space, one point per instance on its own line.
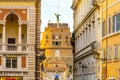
x=23 y=62
x=0 y=60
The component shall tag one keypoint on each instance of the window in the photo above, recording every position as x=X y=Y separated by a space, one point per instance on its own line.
x=103 y=55
x=115 y=52
x=11 y=62
x=11 y=40
x=114 y=23
x=59 y=43
x=46 y=41
x=109 y=25
x=66 y=36
x=59 y=36
x=46 y=36
x=53 y=36
x=108 y=53
x=66 y=41
x=103 y=28
x=56 y=43
x=118 y=21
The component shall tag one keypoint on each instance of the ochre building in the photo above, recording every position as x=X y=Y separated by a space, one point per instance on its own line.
x=58 y=51
x=110 y=40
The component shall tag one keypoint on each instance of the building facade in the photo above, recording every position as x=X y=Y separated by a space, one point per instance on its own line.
x=58 y=52
x=110 y=40
x=87 y=38
x=19 y=41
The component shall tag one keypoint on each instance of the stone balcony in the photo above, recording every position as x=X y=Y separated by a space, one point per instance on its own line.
x=13 y=48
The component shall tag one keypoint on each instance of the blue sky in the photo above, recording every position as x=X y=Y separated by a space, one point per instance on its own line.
x=50 y=7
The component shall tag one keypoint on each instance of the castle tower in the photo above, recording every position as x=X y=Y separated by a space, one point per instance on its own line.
x=19 y=39
x=58 y=51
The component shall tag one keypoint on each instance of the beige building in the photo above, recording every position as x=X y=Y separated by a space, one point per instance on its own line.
x=19 y=32
x=87 y=38
x=58 y=51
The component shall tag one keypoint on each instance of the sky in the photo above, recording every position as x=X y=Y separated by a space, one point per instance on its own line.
x=50 y=7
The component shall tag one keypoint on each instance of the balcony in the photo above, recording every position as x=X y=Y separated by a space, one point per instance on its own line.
x=17 y=48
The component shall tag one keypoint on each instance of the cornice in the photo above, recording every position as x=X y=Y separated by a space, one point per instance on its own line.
x=85 y=18
x=75 y=4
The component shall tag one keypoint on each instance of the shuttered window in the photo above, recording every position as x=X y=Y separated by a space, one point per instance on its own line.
x=23 y=62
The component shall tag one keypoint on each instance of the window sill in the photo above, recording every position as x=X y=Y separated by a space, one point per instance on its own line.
x=111 y=34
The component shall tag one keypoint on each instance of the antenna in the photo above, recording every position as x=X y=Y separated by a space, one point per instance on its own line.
x=57 y=6
x=57 y=14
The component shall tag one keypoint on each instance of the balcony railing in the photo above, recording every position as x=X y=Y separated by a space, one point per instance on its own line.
x=24 y=47
x=16 y=47
x=11 y=47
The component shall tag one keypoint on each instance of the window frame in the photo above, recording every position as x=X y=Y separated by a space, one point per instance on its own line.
x=103 y=28
x=109 y=25
x=115 y=52
x=11 y=64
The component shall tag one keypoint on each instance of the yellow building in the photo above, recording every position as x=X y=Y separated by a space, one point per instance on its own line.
x=110 y=39
x=58 y=50
x=19 y=34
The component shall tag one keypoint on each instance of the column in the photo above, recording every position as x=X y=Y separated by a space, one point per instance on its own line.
x=19 y=37
x=94 y=31
x=75 y=45
x=91 y=33
x=83 y=39
x=86 y=36
x=3 y=37
x=80 y=41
